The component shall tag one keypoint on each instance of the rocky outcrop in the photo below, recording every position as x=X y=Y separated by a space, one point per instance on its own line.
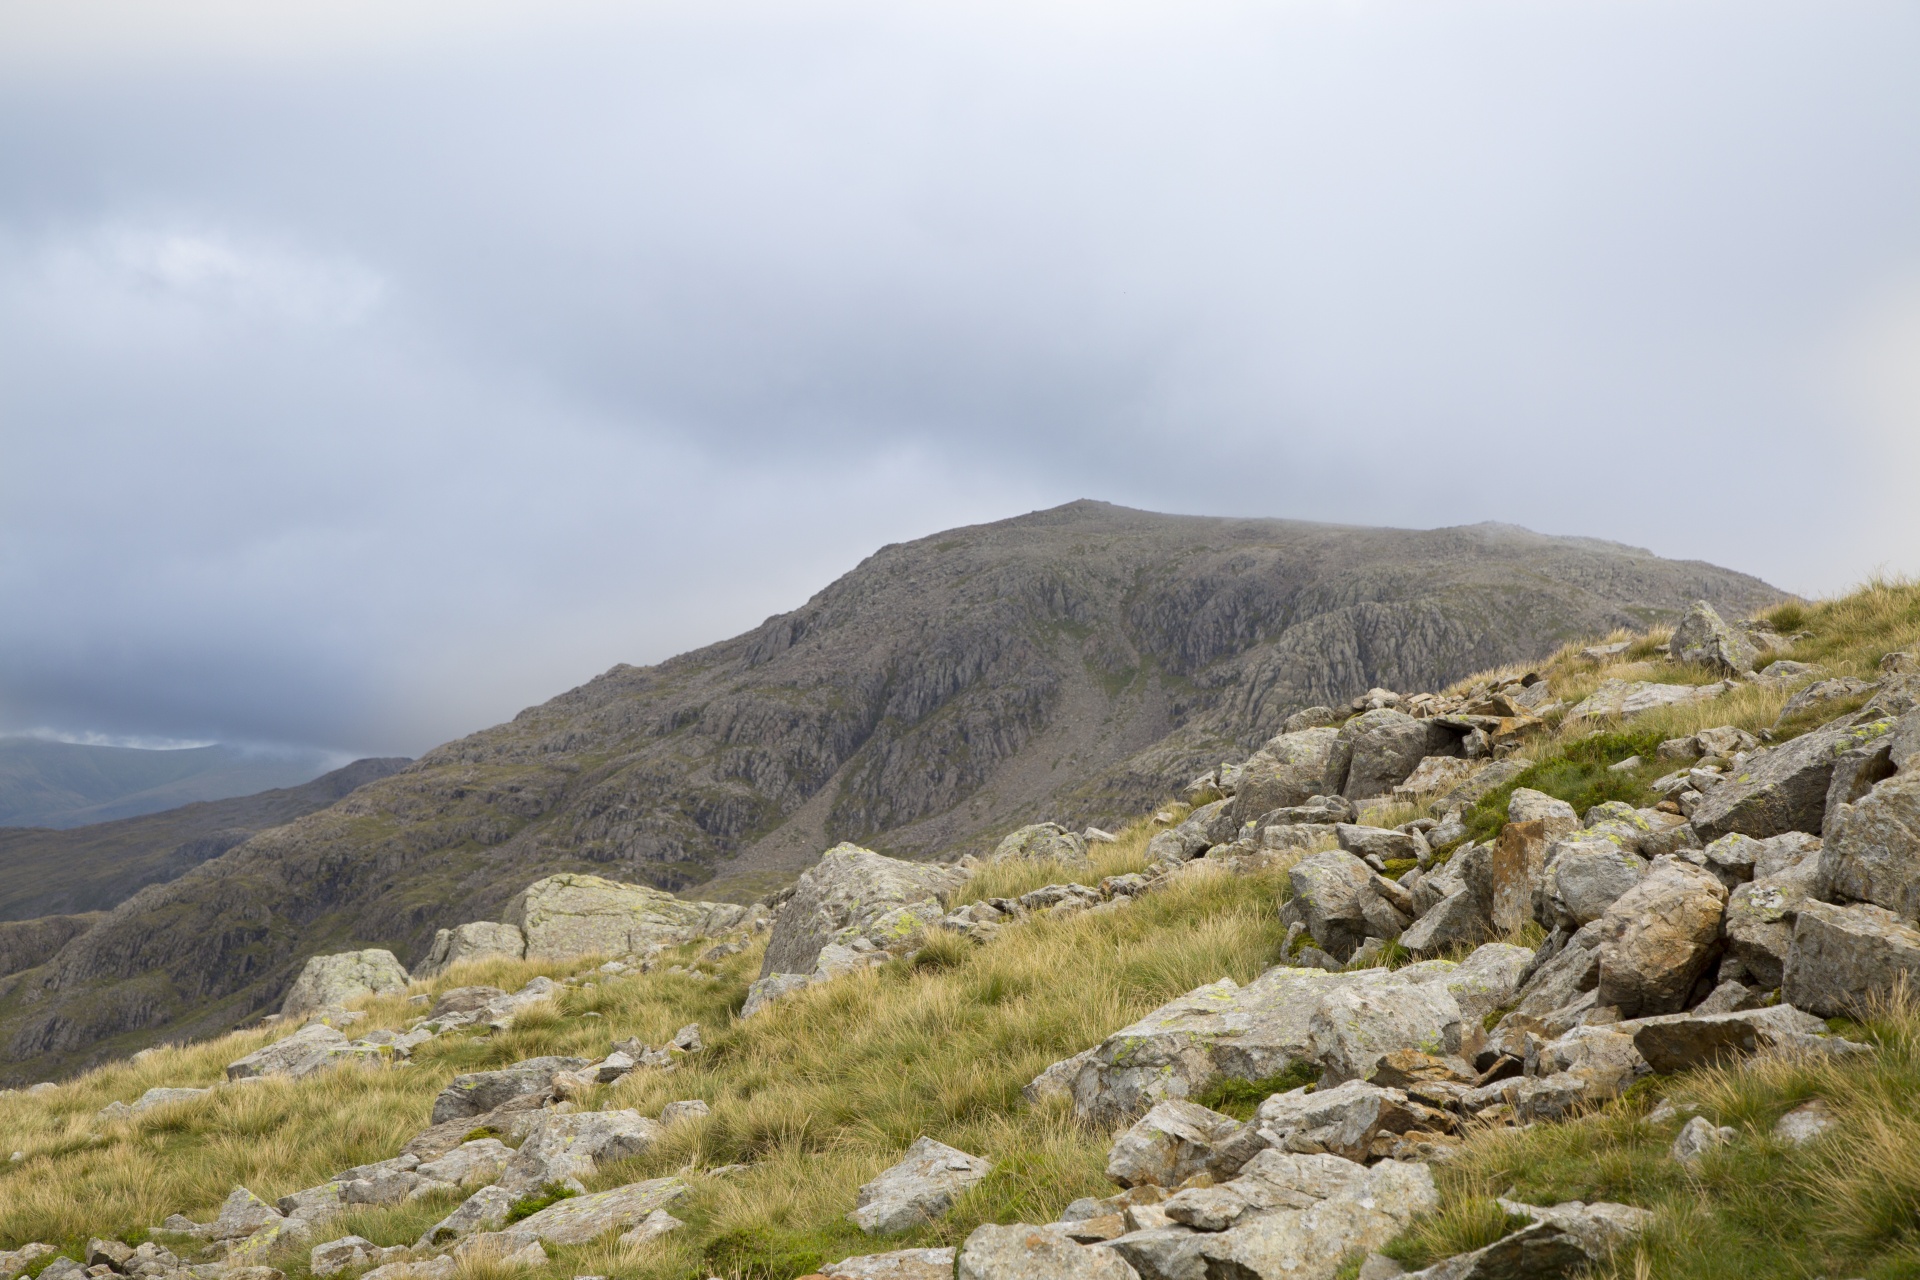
x=1842 y=957
x=1703 y=638
x=855 y=893
x=578 y=915
x=332 y=982
x=476 y=940
x=1784 y=788
x=917 y=1190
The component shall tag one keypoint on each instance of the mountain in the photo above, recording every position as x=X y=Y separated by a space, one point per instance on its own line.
x=46 y=872
x=70 y=784
x=1073 y=663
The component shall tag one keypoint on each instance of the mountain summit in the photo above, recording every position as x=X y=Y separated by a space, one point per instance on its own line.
x=1073 y=663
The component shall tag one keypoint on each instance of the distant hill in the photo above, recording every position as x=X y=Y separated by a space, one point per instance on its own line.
x=47 y=872
x=70 y=784
x=1075 y=663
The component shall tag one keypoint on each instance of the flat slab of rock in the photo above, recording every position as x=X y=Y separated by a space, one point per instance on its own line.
x=564 y=1147
x=1782 y=788
x=1024 y=1252
x=924 y=1185
x=1684 y=1041
x=1041 y=841
x=1313 y=1243
x=310 y=1049
x=331 y=982
x=585 y=1218
x=901 y=1264
x=576 y=915
x=1619 y=699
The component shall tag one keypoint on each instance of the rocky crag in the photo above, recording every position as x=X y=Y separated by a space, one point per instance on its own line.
x=1763 y=889
x=1059 y=665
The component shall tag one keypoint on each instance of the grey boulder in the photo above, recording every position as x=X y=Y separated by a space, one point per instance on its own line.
x=573 y=914
x=924 y=1185
x=478 y=1092
x=476 y=940
x=1042 y=841
x=1173 y=1141
x=1842 y=957
x=587 y=1218
x=1024 y=1252
x=563 y=1148
x=1386 y=747
x=1782 y=788
x=1871 y=849
x=1290 y=770
x=855 y=893
x=1657 y=938
x=330 y=982
x=1704 y=639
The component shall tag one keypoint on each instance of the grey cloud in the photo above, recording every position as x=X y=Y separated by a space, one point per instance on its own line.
x=359 y=390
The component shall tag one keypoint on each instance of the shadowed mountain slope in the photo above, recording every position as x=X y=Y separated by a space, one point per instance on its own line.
x=1072 y=663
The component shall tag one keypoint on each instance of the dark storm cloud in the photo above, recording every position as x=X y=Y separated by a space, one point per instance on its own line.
x=369 y=372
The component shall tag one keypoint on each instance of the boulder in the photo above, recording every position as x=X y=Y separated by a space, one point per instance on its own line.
x=1843 y=956
x=1042 y=841
x=924 y=1185
x=484 y=1210
x=855 y=893
x=1273 y=1179
x=1312 y=1243
x=1341 y=1121
x=335 y=1256
x=1386 y=747
x=1528 y=805
x=1704 y=639
x=477 y=940
x=1759 y=920
x=1291 y=769
x=1566 y=1240
x=566 y=1147
x=1871 y=849
x=1173 y=1141
x=242 y=1214
x=1023 y=1252
x=1514 y=869
x=1379 y=842
x=469 y=1164
x=1457 y=920
x=1658 y=937
x=331 y=982
x=1804 y=1124
x=764 y=991
x=310 y=1049
x=691 y=1109
x=1684 y=1041
x=1585 y=877
x=1699 y=1136
x=1623 y=699
x=586 y=1218
x=1822 y=693
x=1332 y=892
x=1487 y=979
x=1352 y=1029
x=1436 y=775
x=902 y=1264
x=1477 y=786
x=573 y=914
x=1783 y=788
x=481 y=1091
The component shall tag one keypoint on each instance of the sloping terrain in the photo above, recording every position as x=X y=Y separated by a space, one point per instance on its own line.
x=1071 y=663
x=812 y=1098
x=70 y=784
x=46 y=872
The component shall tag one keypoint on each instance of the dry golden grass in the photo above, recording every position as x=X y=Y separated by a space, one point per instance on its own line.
x=1012 y=878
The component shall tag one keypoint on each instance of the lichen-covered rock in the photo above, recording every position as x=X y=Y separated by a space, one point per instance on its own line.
x=335 y=1256
x=1623 y=699
x=1759 y=920
x=1173 y=1141
x=1332 y=891
x=1039 y=842
x=1436 y=775
x=470 y=1163
x=901 y=1264
x=1353 y=1028
x=1457 y=920
x=1528 y=805
x=1312 y=1243
x=310 y=1049
x=564 y=1147
x=1514 y=870
x=1843 y=956
x=476 y=1092
x=1585 y=877
x=330 y=982
x=1871 y=849
x=484 y=1210
x=850 y=893
x=586 y=1218
x=1341 y=1121
x=1387 y=746
x=1782 y=788
x=921 y=1187
x=763 y=992
x=1291 y=769
x=242 y=1214
x=1704 y=639
x=476 y=940
x=573 y=914
x=1657 y=938
x=1566 y=1240
x=1025 y=1252
x=1684 y=1041
x=1486 y=979
x=1379 y=842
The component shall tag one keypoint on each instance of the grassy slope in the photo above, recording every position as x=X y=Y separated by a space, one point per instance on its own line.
x=824 y=1090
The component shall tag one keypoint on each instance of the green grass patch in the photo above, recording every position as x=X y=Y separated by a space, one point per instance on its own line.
x=526 y=1206
x=1241 y=1098
x=1579 y=773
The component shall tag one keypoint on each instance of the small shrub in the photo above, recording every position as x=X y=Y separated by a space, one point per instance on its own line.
x=1232 y=1096
x=526 y=1206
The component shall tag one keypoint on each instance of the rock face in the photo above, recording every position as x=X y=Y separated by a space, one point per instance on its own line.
x=1871 y=851
x=910 y=706
x=1704 y=639
x=855 y=893
x=1658 y=937
x=1784 y=788
x=576 y=915
x=1386 y=747
x=476 y=940
x=1842 y=957
x=331 y=982
x=918 y=1189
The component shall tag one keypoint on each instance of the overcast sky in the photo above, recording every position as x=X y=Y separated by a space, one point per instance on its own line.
x=369 y=371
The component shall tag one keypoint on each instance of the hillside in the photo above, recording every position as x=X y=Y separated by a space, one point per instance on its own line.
x=45 y=872
x=70 y=784
x=1426 y=1111
x=1063 y=664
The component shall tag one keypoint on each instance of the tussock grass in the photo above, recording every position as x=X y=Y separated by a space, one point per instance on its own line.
x=816 y=1095
x=1014 y=877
